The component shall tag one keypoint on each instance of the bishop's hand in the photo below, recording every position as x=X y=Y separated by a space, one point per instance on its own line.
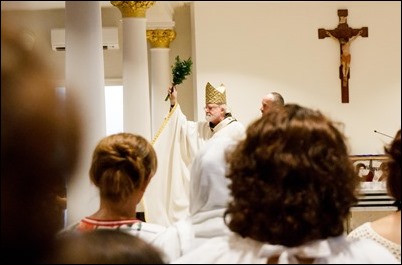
x=172 y=95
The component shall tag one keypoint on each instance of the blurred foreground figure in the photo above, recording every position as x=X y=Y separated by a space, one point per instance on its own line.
x=105 y=246
x=40 y=141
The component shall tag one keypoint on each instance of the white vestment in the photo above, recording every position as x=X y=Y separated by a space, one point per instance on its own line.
x=209 y=195
x=166 y=199
x=233 y=249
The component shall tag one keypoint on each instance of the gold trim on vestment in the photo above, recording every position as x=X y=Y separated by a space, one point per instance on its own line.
x=163 y=124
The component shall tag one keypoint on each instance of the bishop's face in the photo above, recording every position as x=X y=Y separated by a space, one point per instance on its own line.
x=214 y=113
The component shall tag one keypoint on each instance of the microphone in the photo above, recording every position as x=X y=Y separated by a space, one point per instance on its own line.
x=383 y=134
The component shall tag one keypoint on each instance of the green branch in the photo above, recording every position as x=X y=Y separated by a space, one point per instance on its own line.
x=180 y=70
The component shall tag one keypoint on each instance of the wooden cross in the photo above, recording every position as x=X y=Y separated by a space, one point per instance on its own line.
x=345 y=35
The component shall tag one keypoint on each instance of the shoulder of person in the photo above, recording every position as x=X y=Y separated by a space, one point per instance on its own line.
x=367 y=251
x=360 y=231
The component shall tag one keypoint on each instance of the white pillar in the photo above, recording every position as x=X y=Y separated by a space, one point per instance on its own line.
x=136 y=95
x=85 y=78
x=161 y=76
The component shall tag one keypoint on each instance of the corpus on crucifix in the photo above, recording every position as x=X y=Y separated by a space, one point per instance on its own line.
x=345 y=35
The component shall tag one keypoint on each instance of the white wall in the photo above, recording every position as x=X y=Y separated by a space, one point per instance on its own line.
x=258 y=47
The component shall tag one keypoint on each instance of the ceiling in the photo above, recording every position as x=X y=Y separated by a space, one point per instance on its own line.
x=39 y=5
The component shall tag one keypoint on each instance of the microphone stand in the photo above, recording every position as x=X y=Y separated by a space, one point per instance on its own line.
x=383 y=134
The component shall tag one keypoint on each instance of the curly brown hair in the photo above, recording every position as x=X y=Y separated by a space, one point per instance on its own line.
x=394 y=167
x=121 y=163
x=292 y=179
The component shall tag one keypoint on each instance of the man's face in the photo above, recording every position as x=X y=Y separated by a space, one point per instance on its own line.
x=266 y=104
x=214 y=113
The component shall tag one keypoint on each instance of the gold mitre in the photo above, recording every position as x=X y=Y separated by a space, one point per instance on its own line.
x=215 y=95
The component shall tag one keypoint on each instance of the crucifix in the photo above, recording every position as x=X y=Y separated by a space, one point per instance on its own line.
x=345 y=35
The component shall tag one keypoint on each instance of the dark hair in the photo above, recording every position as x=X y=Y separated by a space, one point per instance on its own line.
x=122 y=163
x=292 y=179
x=393 y=167
x=104 y=246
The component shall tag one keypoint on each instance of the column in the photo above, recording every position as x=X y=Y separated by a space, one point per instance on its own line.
x=136 y=95
x=161 y=76
x=85 y=79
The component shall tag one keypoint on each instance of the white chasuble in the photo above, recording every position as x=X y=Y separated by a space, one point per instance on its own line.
x=166 y=199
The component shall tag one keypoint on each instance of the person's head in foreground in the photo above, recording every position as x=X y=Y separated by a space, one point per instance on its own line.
x=292 y=180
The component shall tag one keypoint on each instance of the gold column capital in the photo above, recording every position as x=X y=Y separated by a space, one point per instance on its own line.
x=133 y=8
x=160 y=38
